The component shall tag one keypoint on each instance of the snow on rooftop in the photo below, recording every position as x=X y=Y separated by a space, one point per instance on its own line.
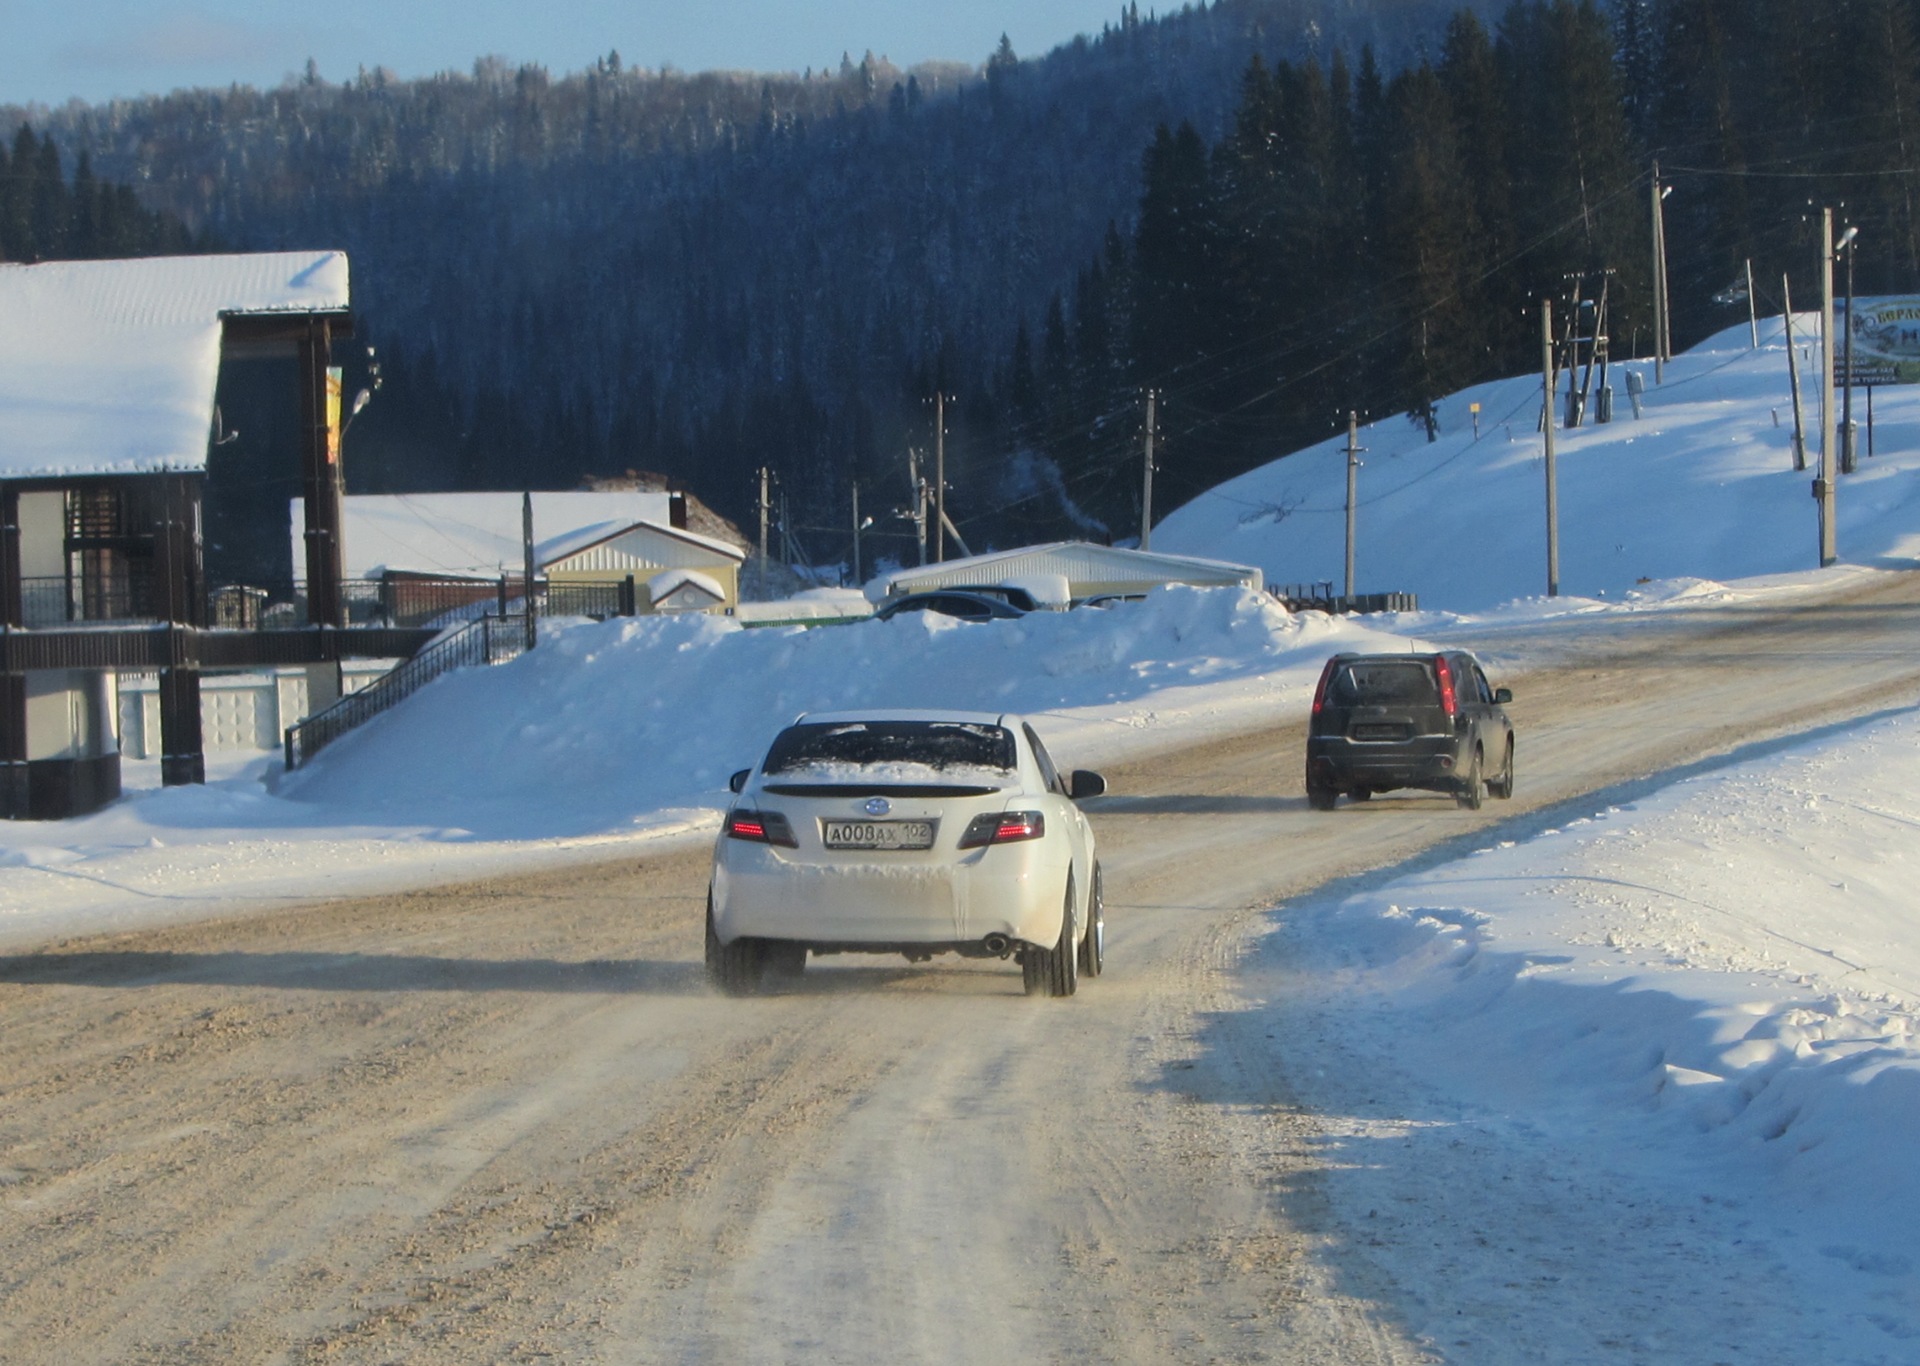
x=476 y=534
x=109 y=367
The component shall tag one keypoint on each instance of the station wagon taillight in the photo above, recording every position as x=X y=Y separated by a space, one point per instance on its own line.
x=761 y=827
x=1449 y=703
x=1005 y=827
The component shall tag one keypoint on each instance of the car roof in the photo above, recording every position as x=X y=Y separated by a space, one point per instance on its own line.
x=971 y=718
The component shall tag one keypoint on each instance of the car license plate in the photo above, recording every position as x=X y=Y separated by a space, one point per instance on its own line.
x=1379 y=732
x=879 y=834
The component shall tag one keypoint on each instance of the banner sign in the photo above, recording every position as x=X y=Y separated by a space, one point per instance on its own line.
x=335 y=383
x=1886 y=341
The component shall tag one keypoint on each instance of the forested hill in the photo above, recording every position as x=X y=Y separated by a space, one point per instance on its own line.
x=1270 y=211
x=699 y=273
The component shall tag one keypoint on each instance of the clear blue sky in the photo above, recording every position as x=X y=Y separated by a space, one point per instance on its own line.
x=55 y=50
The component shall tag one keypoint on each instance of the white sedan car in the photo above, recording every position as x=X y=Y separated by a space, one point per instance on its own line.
x=909 y=832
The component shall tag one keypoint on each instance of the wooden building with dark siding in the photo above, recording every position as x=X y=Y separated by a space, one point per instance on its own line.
x=107 y=378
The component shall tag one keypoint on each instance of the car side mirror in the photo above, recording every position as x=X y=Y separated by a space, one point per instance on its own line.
x=1084 y=783
x=1503 y=695
x=739 y=780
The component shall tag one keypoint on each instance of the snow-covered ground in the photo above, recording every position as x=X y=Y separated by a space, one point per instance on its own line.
x=1671 y=1051
x=1706 y=998
x=1701 y=486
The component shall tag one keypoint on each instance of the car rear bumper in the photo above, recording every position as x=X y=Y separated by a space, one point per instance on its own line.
x=1006 y=891
x=1427 y=761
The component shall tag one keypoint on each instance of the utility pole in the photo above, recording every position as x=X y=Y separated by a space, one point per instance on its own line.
x=919 y=502
x=1146 y=489
x=856 y=533
x=1847 y=461
x=1753 y=309
x=1823 y=487
x=526 y=550
x=1793 y=380
x=940 y=478
x=1353 y=480
x=1660 y=330
x=763 y=516
x=1546 y=428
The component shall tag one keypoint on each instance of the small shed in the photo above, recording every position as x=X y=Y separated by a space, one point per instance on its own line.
x=647 y=552
x=1087 y=570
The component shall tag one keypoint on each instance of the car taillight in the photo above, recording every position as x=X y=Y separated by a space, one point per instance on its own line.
x=1448 y=702
x=1005 y=827
x=1320 y=692
x=761 y=827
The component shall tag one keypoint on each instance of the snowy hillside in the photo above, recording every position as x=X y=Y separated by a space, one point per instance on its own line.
x=1701 y=486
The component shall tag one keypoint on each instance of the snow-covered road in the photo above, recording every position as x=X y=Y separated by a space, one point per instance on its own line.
x=1344 y=1095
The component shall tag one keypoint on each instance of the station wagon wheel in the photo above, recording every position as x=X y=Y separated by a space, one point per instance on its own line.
x=734 y=968
x=1093 y=949
x=1321 y=798
x=1502 y=787
x=1473 y=787
x=1054 y=971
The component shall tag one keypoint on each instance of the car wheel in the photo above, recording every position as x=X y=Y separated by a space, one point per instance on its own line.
x=1473 y=787
x=1054 y=971
x=1321 y=798
x=1360 y=794
x=734 y=968
x=1503 y=787
x=783 y=958
x=1093 y=949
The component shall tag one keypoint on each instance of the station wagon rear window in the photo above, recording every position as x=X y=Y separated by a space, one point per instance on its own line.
x=818 y=749
x=1395 y=682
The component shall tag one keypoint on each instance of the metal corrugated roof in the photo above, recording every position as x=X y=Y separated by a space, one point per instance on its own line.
x=108 y=367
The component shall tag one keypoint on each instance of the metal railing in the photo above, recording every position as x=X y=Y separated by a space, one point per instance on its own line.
x=60 y=601
x=487 y=640
x=49 y=602
x=1320 y=597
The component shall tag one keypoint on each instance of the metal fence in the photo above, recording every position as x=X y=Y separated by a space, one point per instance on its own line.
x=395 y=601
x=487 y=640
x=1320 y=597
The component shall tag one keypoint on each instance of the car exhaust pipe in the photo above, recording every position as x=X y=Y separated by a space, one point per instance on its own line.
x=997 y=944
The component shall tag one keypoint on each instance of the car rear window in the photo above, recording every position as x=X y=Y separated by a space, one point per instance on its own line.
x=1388 y=682
x=942 y=746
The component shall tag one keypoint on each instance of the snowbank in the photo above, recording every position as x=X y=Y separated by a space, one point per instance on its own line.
x=1706 y=1004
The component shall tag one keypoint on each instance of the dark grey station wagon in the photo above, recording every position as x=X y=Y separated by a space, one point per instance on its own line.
x=1431 y=722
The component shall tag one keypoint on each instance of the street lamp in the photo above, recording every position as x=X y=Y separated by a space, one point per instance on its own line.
x=1846 y=243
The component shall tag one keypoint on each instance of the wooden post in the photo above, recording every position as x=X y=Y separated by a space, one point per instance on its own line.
x=1353 y=481
x=1546 y=427
x=1793 y=380
x=1824 y=486
x=939 y=478
x=16 y=790
x=1660 y=332
x=526 y=548
x=1753 y=309
x=1146 y=491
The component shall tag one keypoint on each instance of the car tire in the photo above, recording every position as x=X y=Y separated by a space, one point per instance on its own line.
x=1321 y=798
x=784 y=959
x=733 y=968
x=1503 y=787
x=1093 y=949
x=1054 y=971
x=1360 y=794
x=1473 y=787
